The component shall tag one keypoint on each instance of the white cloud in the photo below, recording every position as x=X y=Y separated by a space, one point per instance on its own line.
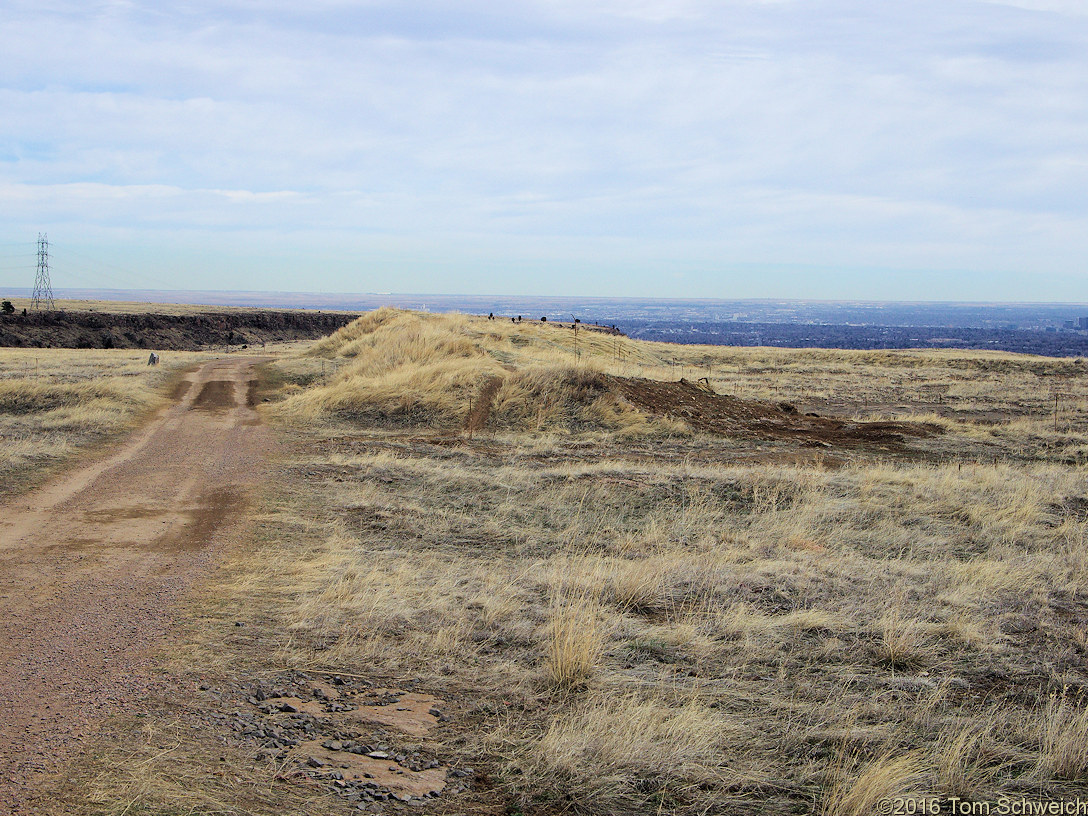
x=1072 y=7
x=944 y=135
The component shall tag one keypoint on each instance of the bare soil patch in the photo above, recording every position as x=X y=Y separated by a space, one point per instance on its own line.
x=481 y=408
x=180 y=390
x=215 y=395
x=704 y=410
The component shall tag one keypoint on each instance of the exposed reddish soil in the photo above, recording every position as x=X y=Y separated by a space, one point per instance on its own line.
x=341 y=742
x=93 y=564
x=481 y=409
x=708 y=411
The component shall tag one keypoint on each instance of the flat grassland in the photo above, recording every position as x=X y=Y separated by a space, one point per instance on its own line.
x=55 y=403
x=816 y=581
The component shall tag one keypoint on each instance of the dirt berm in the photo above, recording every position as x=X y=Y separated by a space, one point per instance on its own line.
x=707 y=411
x=189 y=332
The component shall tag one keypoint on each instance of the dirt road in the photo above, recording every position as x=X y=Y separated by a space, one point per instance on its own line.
x=92 y=565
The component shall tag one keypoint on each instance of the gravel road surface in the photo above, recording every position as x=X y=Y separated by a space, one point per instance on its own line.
x=92 y=567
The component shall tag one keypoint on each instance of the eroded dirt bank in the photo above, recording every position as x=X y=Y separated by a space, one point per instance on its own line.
x=92 y=564
x=77 y=329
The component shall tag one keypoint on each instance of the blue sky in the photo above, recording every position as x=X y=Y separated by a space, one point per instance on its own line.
x=788 y=148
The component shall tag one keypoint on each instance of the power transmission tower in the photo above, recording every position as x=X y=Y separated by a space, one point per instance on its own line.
x=43 y=290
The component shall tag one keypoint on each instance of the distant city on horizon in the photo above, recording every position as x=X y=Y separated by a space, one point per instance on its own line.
x=932 y=312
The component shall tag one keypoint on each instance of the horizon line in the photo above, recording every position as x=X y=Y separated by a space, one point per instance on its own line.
x=59 y=293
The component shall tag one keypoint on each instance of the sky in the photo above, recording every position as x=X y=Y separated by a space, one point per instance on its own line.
x=830 y=149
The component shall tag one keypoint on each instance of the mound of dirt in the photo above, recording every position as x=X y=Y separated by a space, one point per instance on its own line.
x=708 y=411
x=188 y=332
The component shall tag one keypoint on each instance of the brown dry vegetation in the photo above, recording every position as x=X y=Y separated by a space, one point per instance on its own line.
x=626 y=615
x=57 y=402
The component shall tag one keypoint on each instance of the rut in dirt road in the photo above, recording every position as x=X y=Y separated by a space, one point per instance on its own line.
x=92 y=565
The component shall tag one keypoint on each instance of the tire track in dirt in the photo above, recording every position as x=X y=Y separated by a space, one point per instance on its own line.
x=481 y=409
x=92 y=565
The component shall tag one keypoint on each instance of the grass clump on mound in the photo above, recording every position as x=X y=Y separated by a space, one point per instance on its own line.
x=451 y=371
x=399 y=366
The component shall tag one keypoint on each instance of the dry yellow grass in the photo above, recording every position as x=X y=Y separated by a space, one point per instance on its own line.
x=1064 y=737
x=398 y=366
x=961 y=754
x=574 y=642
x=624 y=753
x=402 y=367
x=56 y=402
x=628 y=616
x=884 y=779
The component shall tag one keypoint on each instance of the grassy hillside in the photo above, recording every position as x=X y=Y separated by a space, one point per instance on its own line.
x=396 y=367
x=703 y=602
